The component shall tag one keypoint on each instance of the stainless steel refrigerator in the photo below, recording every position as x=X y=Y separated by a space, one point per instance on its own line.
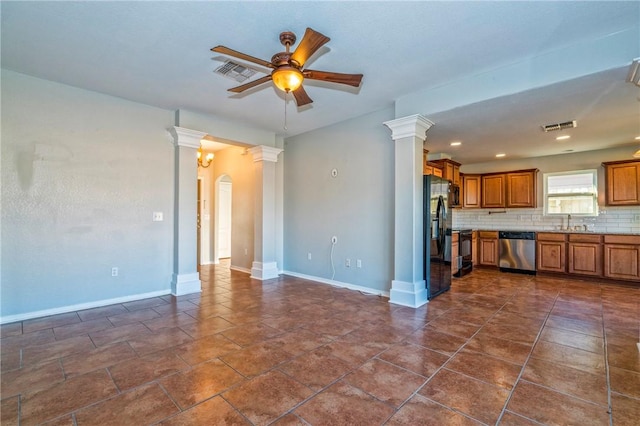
x=437 y=220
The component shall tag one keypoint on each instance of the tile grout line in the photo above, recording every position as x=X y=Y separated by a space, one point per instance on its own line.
x=524 y=365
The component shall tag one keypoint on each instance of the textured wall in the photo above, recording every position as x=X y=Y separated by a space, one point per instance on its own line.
x=356 y=206
x=82 y=174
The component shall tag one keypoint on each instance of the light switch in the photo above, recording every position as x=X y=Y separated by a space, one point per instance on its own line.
x=157 y=217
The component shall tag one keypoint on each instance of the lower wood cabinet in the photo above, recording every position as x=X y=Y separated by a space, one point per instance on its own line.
x=585 y=255
x=622 y=257
x=455 y=248
x=614 y=257
x=474 y=248
x=551 y=252
x=488 y=248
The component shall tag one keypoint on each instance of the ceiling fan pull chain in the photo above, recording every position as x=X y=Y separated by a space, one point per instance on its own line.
x=285 y=110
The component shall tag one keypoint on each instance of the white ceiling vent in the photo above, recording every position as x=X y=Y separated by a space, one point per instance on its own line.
x=235 y=71
x=560 y=126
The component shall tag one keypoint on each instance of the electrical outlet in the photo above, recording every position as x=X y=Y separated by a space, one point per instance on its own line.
x=246 y=251
x=636 y=218
x=158 y=217
x=334 y=240
x=309 y=256
x=347 y=263
x=114 y=271
x=359 y=263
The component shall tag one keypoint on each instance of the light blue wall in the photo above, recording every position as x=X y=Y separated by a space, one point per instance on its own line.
x=82 y=174
x=357 y=206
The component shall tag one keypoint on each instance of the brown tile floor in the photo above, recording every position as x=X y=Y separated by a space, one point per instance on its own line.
x=497 y=349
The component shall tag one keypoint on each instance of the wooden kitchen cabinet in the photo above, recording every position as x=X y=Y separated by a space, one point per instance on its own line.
x=622 y=257
x=450 y=170
x=470 y=191
x=551 y=252
x=455 y=249
x=585 y=255
x=488 y=248
x=474 y=247
x=493 y=191
x=622 y=183
x=521 y=188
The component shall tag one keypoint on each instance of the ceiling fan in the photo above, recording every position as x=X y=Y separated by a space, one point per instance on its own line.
x=288 y=73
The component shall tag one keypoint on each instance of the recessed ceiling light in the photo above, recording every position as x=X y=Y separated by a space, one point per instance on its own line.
x=456 y=143
x=500 y=155
x=562 y=138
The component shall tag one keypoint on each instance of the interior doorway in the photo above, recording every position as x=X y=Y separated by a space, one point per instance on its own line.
x=224 y=191
x=199 y=225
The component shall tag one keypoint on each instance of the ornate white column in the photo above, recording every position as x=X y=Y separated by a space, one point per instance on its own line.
x=185 y=277
x=408 y=287
x=264 y=265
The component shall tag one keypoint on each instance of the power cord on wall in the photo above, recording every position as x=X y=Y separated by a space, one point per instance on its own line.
x=333 y=268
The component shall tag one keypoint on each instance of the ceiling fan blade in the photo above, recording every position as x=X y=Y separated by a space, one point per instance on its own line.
x=230 y=52
x=334 y=77
x=311 y=42
x=254 y=83
x=301 y=96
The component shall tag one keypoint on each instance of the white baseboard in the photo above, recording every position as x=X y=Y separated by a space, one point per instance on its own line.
x=81 y=306
x=341 y=284
x=240 y=269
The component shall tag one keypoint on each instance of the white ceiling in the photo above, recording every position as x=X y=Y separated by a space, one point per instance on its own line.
x=158 y=53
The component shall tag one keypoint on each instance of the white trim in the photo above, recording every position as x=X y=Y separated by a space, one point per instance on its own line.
x=264 y=270
x=341 y=284
x=408 y=294
x=81 y=306
x=240 y=269
x=182 y=284
x=410 y=126
x=265 y=153
x=186 y=137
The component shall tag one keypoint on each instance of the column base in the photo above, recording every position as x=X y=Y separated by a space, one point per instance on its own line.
x=264 y=271
x=408 y=294
x=185 y=284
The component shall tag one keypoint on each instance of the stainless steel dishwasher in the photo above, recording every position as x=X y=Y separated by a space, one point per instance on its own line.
x=517 y=251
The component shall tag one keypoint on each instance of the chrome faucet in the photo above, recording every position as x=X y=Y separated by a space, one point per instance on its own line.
x=568 y=222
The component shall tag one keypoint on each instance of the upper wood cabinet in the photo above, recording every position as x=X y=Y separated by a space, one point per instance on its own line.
x=450 y=170
x=493 y=191
x=470 y=191
x=515 y=189
x=622 y=183
x=522 y=188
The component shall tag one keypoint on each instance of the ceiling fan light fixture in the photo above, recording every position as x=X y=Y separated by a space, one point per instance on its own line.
x=287 y=78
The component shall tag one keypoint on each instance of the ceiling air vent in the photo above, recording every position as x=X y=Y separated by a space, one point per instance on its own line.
x=235 y=71
x=560 y=126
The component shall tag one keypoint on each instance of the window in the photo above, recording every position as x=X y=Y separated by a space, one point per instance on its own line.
x=573 y=193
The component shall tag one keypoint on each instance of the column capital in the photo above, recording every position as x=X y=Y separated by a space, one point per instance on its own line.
x=410 y=126
x=265 y=153
x=186 y=137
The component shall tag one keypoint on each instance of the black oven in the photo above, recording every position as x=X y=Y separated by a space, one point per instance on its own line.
x=465 y=250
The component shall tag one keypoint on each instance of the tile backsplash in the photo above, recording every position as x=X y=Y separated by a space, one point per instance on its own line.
x=610 y=220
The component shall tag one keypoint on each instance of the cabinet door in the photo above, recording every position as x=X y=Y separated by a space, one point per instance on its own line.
x=551 y=256
x=471 y=191
x=456 y=175
x=455 y=249
x=488 y=252
x=521 y=189
x=585 y=259
x=622 y=261
x=474 y=248
x=493 y=190
x=623 y=184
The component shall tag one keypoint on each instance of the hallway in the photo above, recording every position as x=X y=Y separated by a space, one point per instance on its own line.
x=497 y=349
